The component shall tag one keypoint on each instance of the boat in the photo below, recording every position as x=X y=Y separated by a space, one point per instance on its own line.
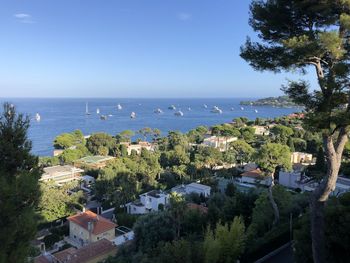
x=133 y=115
x=158 y=111
x=98 y=111
x=172 y=107
x=110 y=115
x=242 y=108
x=179 y=113
x=87 y=109
x=232 y=109
x=119 y=107
x=189 y=108
x=205 y=106
x=103 y=117
x=37 y=117
x=256 y=111
x=216 y=109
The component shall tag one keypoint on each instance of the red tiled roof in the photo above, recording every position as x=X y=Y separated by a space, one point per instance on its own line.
x=85 y=254
x=200 y=208
x=256 y=173
x=41 y=259
x=100 y=224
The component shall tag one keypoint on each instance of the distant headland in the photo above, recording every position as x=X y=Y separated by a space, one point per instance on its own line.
x=281 y=101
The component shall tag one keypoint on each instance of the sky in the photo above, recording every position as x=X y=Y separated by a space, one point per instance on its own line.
x=129 y=48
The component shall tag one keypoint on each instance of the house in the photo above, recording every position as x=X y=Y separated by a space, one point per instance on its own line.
x=61 y=174
x=292 y=179
x=300 y=157
x=93 y=162
x=92 y=253
x=199 y=189
x=151 y=201
x=88 y=227
x=342 y=186
x=218 y=142
x=123 y=235
x=138 y=147
x=261 y=130
x=255 y=177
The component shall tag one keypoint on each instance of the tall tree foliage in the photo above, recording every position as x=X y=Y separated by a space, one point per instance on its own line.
x=297 y=35
x=19 y=190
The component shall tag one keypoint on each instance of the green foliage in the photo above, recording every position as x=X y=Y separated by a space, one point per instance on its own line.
x=67 y=140
x=282 y=133
x=227 y=242
x=19 y=191
x=100 y=143
x=273 y=155
x=70 y=155
x=241 y=150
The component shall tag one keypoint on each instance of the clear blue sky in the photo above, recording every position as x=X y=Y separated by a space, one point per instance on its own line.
x=129 y=48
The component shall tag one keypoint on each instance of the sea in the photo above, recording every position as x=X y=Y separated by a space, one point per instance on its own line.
x=59 y=115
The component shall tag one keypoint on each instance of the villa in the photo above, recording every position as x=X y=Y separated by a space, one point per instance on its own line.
x=151 y=201
x=255 y=177
x=138 y=147
x=261 y=130
x=300 y=157
x=219 y=142
x=61 y=174
x=199 y=189
x=87 y=227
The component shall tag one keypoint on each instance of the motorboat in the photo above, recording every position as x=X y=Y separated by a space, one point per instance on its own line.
x=103 y=117
x=216 y=109
x=205 y=106
x=158 y=111
x=98 y=111
x=242 y=108
x=179 y=113
x=133 y=115
x=256 y=111
x=172 y=107
x=119 y=107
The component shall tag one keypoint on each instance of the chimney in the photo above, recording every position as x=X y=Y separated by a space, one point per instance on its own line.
x=84 y=210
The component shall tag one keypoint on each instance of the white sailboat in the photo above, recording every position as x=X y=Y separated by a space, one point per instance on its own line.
x=172 y=107
x=119 y=107
x=216 y=109
x=179 y=113
x=256 y=111
x=37 y=117
x=87 y=109
x=133 y=115
x=205 y=106
x=242 y=108
x=98 y=111
x=158 y=111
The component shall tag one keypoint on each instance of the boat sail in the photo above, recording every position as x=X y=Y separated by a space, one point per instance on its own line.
x=87 y=109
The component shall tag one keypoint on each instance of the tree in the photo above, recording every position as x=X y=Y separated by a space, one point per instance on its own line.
x=67 y=140
x=19 y=190
x=282 y=133
x=297 y=35
x=126 y=135
x=269 y=157
x=226 y=244
x=242 y=151
x=145 y=132
x=100 y=143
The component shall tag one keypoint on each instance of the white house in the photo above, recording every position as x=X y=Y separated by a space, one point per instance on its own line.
x=261 y=130
x=61 y=174
x=300 y=157
x=138 y=147
x=200 y=189
x=255 y=177
x=148 y=202
x=291 y=179
x=218 y=142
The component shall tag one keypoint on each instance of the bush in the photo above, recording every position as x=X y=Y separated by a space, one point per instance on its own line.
x=50 y=240
x=125 y=219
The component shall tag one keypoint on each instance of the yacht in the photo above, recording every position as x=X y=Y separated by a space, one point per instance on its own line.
x=119 y=107
x=87 y=109
x=232 y=109
x=98 y=111
x=179 y=113
x=172 y=107
x=216 y=109
x=103 y=117
x=256 y=111
x=158 y=111
x=37 y=117
x=133 y=115
x=110 y=115
x=242 y=108
x=205 y=106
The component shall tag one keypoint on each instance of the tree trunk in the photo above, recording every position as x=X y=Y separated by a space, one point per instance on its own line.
x=321 y=194
x=273 y=203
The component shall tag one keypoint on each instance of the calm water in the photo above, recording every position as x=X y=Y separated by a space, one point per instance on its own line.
x=66 y=115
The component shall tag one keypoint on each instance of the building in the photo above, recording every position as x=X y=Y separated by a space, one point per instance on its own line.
x=261 y=130
x=88 y=227
x=61 y=174
x=151 y=201
x=300 y=157
x=123 y=235
x=255 y=177
x=199 y=189
x=138 y=147
x=219 y=142
x=93 y=162
x=292 y=179
x=92 y=253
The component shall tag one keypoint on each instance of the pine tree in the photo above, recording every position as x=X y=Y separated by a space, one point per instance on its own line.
x=19 y=189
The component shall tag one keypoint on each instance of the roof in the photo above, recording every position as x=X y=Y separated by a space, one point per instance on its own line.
x=199 y=186
x=61 y=169
x=100 y=224
x=202 y=209
x=256 y=173
x=87 y=253
x=95 y=159
x=41 y=259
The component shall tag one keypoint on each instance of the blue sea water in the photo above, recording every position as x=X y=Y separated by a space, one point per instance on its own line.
x=65 y=115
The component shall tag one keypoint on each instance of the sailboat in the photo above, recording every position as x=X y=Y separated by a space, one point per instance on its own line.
x=119 y=107
x=256 y=111
x=87 y=109
x=37 y=117
x=179 y=113
x=98 y=111
x=133 y=115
